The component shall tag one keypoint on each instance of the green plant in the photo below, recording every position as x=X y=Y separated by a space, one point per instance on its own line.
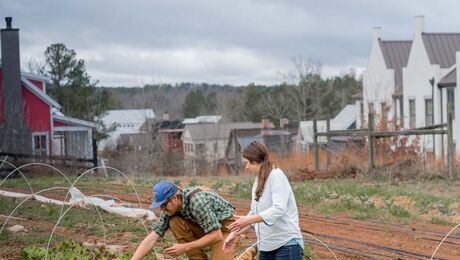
x=194 y=182
x=5 y=235
x=241 y=190
x=439 y=221
x=398 y=211
x=68 y=249
x=308 y=252
x=72 y=250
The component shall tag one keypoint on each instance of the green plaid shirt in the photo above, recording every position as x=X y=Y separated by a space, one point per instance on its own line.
x=205 y=208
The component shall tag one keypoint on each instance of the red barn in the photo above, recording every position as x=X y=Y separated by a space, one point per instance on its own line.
x=30 y=121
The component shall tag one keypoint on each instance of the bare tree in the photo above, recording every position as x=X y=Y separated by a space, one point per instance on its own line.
x=305 y=91
x=275 y=104
x=35 y=66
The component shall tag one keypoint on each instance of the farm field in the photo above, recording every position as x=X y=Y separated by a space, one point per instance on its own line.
x=356 y=219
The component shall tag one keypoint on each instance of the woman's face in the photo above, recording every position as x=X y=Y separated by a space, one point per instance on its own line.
x=251 y=167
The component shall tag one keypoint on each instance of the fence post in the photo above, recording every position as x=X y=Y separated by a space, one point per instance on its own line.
x=316 y=148
x=237 y=152
x=94 y=152
x=370 y=139
x=450 y=144
x=328 y=151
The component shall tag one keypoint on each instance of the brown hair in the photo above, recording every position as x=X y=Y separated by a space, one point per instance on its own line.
x=256 y=152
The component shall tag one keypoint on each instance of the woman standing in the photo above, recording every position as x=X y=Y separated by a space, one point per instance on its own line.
x=273 y=212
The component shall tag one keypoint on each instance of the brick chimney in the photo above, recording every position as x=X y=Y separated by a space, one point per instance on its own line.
x=265 y=122
x=266 y=130
x=11 y=73
x=13 y=127
x=284 y=122
x=166 y=116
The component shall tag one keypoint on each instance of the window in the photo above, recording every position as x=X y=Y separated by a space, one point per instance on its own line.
x=384 y=108
x=401 y=108
x=189 y=147
x=371 y=107
x=200 y=150
x=40 y=143
x=412 y=122
x=429 y=112
x=451 y=100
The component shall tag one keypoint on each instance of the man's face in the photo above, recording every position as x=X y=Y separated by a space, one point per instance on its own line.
x=172 y=205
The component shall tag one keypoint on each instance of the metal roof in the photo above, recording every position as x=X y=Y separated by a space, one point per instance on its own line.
x=74 y=121
x=208 y=131
x=127 y=116
x=202 y=119
x=450 y=80
x=441 y=47
x=218 y=131
x=396 y=55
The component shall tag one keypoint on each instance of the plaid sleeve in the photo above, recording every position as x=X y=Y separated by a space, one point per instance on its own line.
x=204 y=216
x=161 y=225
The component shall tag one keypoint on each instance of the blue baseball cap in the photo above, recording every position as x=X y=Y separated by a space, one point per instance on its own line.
x=162 y=191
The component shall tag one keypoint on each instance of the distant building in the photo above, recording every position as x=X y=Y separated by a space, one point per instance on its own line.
x=344 y=120
x=205 y=144
x=128 y=122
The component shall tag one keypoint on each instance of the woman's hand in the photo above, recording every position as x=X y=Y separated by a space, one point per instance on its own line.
x=241 y=223
x=228 y=243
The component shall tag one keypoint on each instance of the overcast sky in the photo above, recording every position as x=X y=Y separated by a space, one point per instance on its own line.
x=236 y=42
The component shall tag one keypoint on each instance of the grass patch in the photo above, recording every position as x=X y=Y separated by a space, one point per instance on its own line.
x=332 y=196
x=242 y=190
x=398 y=211
x=360 y=211
x=308 y=252
x=86 y=221
x=440 y=221
x=36 y=235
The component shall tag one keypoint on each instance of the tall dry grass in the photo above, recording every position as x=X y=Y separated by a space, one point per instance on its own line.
x=396 y=158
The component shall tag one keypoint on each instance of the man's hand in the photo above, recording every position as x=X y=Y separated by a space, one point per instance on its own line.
x=146 y=245
x=228 y=243
x=176 y=250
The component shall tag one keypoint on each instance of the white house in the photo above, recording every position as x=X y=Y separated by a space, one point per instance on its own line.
x=429 y=78
x=345 y=119
x=127 y=121
x=205 y=144
x=382 y=81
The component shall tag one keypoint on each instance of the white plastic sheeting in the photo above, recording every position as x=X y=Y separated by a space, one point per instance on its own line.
x=81 y=200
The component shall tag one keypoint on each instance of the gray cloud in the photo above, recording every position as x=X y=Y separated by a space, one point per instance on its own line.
x=236 y=42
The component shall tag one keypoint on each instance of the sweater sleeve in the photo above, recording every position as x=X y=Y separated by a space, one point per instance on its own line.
x=279 y=195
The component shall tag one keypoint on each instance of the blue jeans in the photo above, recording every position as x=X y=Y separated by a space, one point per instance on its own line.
x=294 y=252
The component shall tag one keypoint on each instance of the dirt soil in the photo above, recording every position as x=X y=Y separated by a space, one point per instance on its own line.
x=347 y=238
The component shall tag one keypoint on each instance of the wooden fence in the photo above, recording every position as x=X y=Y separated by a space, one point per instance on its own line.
x=56 y=161
x=371 y=135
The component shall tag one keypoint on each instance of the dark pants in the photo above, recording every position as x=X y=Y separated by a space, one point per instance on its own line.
x=294 y=252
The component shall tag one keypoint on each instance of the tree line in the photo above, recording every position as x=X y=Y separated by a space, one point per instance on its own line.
x=310 y=96
x=303 y=95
